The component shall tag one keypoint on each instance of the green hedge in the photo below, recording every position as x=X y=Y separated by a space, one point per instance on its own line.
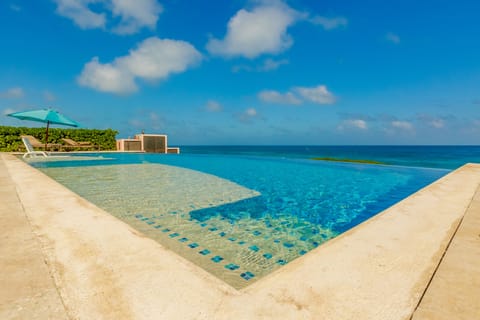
x=10 y=140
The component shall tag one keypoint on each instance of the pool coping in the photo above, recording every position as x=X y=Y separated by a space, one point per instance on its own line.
x=381 y=269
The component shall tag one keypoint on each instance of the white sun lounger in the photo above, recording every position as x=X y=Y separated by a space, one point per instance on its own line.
x=30 y=151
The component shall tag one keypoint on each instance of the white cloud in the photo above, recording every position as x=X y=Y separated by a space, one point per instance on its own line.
x=329 y=23
x=251 y=112
x=273 y=96
x=157 y=58
x=266 y=66
x=82 y=16
x=256 y=32
x=12 y=93
x=133 y=15
x=270 y=64
x=361 y=124
x=248 y=115
x=318 y=94
x=392 y=37
x=48 y=96
x=437 y=123
x=213 y=106
x=298 y=95
x=353 y=123
x=402 y=125
x=357 y=123
x=153 y=59
x=108 y=77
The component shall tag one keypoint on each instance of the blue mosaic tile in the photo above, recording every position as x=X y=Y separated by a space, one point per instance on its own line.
x=232 y=266
x=165 y=230
x=144 y=219
x=303 y=238
x=173 y=235
x=241 y=242
x=247 y=275
x=287 y=245
x=213 y=229
x=203 y=225
x=157 y=226
x=254 y=248
x=315 y=231
x=232 y=239
x=204 y=252
x=276 y=240
x=150 y=222
x=256 y=233
x=217 y=259
x=268 y=256
x=315 y=243
x=281 y=262
x=302 y=252
x=183 y=239
x=173 y=212
x=193 y=245
x=222 y=234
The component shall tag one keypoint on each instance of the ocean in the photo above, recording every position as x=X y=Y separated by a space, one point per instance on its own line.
x=445 y=157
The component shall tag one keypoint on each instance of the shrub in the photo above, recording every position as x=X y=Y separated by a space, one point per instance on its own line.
x=10 y=140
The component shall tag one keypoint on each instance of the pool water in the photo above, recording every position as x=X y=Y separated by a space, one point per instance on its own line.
x=238 y=217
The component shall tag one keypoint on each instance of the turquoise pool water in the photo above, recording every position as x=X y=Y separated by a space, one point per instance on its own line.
x=238 y=217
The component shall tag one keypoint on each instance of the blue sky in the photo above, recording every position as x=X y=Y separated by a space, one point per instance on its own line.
x=249 y=72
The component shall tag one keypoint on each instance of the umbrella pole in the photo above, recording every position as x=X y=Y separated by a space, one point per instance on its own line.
x=46 y=136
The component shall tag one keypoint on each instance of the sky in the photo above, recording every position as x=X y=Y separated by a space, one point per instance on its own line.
x=249 y=72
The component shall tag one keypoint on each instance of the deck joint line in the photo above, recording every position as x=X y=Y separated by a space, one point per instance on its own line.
x=444 y=253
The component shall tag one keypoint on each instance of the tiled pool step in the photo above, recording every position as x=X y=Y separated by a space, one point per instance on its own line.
x=222 y=234
x=280 y=248
x=314 y=241
x=246 y=275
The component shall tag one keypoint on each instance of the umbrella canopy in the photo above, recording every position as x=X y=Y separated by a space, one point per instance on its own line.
x=48 y=116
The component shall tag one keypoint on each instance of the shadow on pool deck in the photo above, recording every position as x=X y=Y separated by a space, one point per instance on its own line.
x=62 y=257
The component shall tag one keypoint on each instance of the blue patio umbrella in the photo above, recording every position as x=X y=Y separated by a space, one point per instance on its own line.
x=48 y=116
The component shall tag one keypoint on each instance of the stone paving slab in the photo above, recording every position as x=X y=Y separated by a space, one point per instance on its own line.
x=27 y=290
x=454 y=292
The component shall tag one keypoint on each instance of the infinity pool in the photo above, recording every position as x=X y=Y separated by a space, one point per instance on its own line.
x=238 y=217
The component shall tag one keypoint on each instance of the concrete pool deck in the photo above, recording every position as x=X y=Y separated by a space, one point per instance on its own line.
x=64 y=258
